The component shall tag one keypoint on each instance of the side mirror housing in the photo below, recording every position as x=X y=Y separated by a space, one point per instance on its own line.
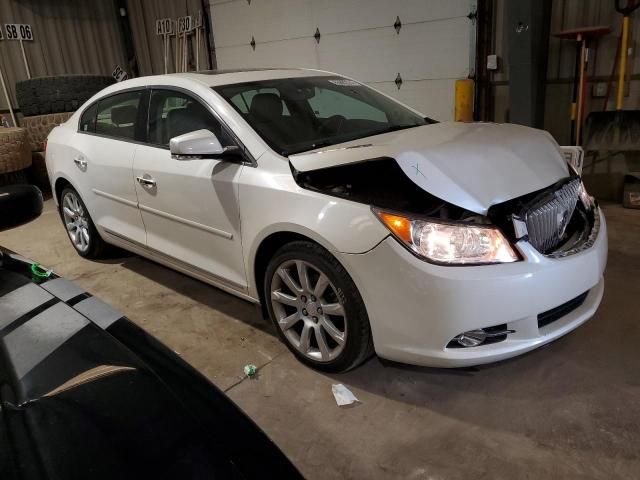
x=199 y=144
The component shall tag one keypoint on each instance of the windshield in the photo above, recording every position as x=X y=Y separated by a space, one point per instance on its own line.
x=297 y=114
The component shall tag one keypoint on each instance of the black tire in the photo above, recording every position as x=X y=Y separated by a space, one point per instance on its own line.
x=359 y=342
x=19 y=204
x=97 y=246
x=66 y=93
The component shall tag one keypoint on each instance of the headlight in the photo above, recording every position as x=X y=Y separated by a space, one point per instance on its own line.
x=449 y=243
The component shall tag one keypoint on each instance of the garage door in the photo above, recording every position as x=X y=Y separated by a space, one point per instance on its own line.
x=413 y=50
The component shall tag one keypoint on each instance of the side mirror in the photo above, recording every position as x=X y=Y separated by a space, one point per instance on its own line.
x=199 y=144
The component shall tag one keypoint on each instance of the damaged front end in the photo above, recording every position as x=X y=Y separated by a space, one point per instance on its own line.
x=558 y=220
x=429 y=227
x=381 y=183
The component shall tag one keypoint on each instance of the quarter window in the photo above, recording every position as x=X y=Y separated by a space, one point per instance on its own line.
x=117 y=115
x=173 y=113
x=88 y=119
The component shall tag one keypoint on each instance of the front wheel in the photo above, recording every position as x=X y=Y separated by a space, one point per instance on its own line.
x=316 y=308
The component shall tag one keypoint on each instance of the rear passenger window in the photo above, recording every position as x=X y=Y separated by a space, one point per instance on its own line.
x=117 y=115
x=88 y=120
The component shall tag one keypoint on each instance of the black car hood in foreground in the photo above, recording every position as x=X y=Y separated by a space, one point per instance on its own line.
x=87 y=394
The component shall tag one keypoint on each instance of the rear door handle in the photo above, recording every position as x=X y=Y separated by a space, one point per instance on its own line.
x=80 y=162
x=146 y=181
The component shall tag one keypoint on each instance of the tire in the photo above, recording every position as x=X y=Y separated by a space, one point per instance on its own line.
x=14 y=150
x=39 y=127
x=96 y=247
x=43 y=95
x=348 y=319
x=19 y=204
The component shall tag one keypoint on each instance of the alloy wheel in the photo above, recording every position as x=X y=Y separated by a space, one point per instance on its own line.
x=75 y=221
x=308 y=310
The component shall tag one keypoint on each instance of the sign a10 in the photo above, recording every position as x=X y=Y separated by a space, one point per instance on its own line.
x=18 y=31
x=164 y=26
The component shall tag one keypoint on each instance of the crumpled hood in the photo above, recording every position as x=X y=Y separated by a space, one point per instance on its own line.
x=472 y=165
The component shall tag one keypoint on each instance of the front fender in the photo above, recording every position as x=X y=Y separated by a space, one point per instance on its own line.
x=272 y=202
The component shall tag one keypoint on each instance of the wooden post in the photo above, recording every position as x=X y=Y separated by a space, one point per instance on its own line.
x=24 y=57
x=6 y=95
x=583 y=64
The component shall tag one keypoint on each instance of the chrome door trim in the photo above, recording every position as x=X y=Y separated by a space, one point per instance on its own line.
x=191 y=223
x=115 y=198
x=183 y=267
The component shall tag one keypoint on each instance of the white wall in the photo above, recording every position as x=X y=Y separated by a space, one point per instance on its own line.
x=357 y=39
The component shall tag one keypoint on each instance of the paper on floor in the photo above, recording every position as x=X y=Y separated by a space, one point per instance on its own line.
x=343 y=395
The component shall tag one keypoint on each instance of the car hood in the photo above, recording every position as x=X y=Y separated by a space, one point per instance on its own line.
x=472 y=165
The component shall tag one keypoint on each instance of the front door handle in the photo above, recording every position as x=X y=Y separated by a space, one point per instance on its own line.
x=80 y=162
x=146 y=181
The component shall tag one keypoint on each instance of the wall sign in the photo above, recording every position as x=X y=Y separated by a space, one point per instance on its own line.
x=119 y=74
x=18 y=31
x=1 y=36
x=185 y=24
x=164 y=26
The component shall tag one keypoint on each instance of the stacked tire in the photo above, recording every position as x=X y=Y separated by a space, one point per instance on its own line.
x=15 y=155
x=45 y=103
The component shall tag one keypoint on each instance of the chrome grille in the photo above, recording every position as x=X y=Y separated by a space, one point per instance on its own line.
x=547 y=218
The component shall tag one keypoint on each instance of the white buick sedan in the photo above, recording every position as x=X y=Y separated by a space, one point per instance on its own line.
x=358 y=224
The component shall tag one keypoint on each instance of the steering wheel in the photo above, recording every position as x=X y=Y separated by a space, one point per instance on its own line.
x=332 y=125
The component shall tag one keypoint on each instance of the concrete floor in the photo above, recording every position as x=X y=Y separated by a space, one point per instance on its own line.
x=568 y=410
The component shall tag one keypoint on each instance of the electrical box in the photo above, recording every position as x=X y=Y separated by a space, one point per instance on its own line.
x=492 y=62
x=599 y=90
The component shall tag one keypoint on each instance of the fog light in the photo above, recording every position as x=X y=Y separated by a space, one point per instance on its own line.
x=472 y=338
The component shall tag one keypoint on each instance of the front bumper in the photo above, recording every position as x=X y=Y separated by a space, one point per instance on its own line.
x=415 y=308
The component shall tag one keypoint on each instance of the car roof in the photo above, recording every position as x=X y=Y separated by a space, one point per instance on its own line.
x=213 y=78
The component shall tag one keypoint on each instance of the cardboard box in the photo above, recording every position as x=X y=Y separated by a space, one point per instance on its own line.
x=631 y=192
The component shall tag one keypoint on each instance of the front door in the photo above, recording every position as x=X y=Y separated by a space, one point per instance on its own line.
x=189 y=207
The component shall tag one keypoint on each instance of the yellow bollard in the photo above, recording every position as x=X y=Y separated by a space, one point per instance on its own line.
x=464 y=101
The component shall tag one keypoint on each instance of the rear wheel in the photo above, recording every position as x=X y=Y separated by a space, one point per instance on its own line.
x=316 y=308
x=80 y=228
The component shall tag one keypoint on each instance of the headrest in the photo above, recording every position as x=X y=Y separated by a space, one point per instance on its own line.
x=124 y=115
x=185 y=120
x=265 y=106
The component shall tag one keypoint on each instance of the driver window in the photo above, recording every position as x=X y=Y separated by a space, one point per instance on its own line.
x=173 y=113
x=327 y=103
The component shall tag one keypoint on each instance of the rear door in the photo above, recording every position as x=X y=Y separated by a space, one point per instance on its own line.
x=103 y=162
x=189 y=207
